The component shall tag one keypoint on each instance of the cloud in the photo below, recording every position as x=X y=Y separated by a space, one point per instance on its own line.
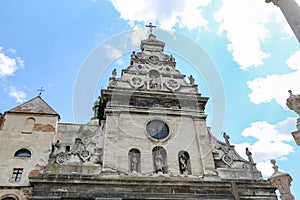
x=244 y=24
x=271 y=142
x=166 y=14
x=275 y=87
x=9 y=64
x=18 y=94
x=112 y=52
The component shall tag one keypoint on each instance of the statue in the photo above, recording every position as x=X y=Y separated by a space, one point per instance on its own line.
x=55 y=147
x=114 y=73
x=172 y=59
x=192 y=80
x=183 y=164
x=158 y=161
x=134 y=161
x=249 y=154
x=226 y=137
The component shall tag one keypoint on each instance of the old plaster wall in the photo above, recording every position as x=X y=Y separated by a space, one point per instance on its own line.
x=35 y=134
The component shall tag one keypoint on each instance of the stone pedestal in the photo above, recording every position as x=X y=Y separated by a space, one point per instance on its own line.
x=282 y=181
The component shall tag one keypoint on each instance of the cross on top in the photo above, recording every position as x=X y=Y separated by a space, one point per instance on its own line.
x=150 y=26
x=41 y=90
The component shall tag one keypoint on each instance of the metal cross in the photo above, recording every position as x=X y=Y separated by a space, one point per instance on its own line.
x=41 y=90
x=150 y=26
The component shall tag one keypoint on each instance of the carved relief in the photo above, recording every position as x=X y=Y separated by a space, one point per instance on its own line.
x=81 y=152
x=172 y=85
x=226 y=157
x=136 y=82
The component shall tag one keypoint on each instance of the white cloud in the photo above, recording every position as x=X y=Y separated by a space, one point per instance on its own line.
x=244 y=23
x=9 y=64
x=18 y=94
x=137 y=36
x=112 y=52
x=276 y=86
x=166 y=14
x=271 y=142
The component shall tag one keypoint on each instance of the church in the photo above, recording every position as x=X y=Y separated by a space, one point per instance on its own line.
x=148 y=139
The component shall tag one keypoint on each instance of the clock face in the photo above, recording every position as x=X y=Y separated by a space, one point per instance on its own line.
x=157 y=129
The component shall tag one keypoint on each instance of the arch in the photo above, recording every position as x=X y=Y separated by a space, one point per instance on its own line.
x=9 y=197
x=159 y=156
x=23 y=153
x=29 y=125
x=184 y=163
x=134 y=160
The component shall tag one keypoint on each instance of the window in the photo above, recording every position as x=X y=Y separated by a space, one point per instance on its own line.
x=157 y=129
x=9 y=197
x=28 y=125
x=17 y=173
x=23 y=153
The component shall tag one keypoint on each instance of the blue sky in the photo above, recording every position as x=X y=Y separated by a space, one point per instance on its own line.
x=45 y=44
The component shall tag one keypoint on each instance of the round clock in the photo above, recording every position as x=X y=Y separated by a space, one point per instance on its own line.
x=157 y=129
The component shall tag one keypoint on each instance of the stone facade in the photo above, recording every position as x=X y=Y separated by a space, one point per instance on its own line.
x=148 y=139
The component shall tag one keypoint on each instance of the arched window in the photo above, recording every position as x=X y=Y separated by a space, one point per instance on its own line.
x=184 y=163
x=23 y=153
x=134 y=158
x=160 y=163
x=28 y=125
x=9 y=197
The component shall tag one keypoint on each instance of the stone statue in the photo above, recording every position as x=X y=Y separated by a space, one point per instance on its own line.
x=134 y=161
x=55 y=147
x=192 y=80
x=158 y=161
x=114 y=73
x=249 y=154
x=133 y=55
x=183 y=164
x=226 y=137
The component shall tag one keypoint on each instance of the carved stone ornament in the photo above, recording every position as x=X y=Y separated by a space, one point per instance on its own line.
x=136 y=82
x=172 y=84
x=282 y=181
x=293 y=102
x=83 y=151
x=113 y=83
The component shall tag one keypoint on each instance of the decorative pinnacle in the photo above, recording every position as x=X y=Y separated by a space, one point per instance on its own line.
x=150 y=26
x=41 y=90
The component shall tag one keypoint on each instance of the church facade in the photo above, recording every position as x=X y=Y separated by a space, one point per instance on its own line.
x=148 y=139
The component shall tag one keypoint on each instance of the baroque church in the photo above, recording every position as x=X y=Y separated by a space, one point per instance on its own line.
x=148 y=139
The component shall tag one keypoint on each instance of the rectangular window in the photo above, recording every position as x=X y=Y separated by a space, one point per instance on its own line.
x=17 y=173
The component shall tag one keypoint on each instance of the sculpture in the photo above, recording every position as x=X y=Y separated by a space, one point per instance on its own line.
x=192 y=80
x=158 y=161
x=134 y=160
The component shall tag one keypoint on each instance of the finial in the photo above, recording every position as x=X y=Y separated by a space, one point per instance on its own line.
x=275 y=167
x=150 y=26
x=41 y=90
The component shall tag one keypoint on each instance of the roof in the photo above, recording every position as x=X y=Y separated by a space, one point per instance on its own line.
x=35 y=106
